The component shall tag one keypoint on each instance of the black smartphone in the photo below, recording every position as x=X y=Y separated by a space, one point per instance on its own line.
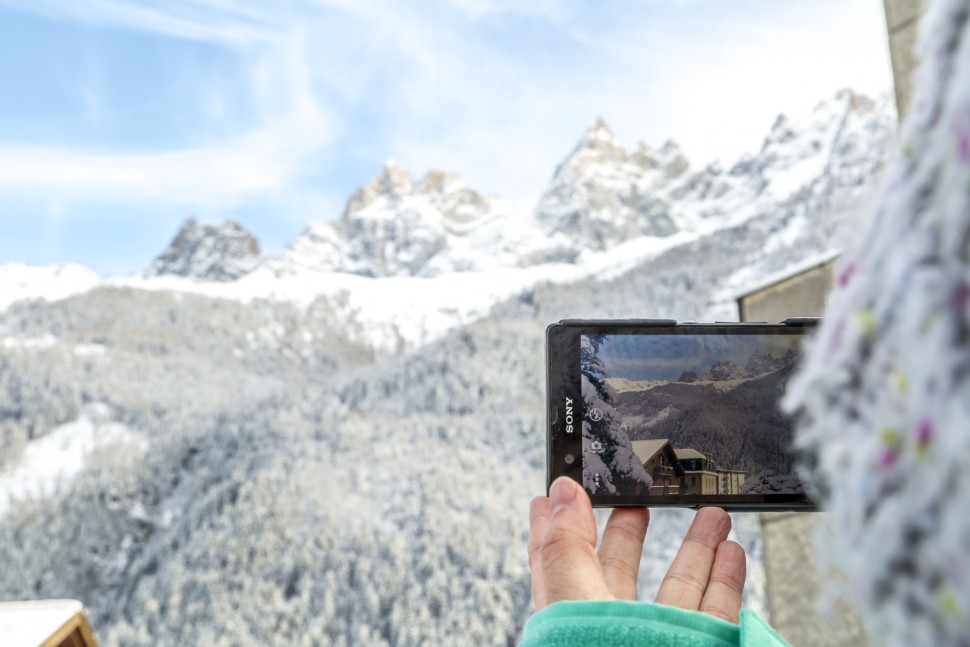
x=652 y=412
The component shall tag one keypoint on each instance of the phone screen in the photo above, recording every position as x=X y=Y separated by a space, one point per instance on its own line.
x=685 y=416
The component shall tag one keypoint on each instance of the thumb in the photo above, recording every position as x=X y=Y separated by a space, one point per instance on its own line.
x=571 y=511
x=570 y=568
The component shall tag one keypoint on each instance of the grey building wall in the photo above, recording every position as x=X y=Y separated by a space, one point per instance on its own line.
x=902 y=19
x=791 y=573
x=801 y=293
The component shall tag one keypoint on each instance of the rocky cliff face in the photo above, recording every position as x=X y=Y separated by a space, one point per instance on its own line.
x=209 y=252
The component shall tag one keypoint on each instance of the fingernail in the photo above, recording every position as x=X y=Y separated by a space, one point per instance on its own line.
x=562 y=492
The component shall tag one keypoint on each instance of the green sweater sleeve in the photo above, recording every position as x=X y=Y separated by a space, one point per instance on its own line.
x=619 y=623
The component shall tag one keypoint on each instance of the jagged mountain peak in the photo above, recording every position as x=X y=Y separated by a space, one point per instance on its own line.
x=437 y=181
x=825 y=116
x=602 y=194
x=395 y=226
x=599 y=131
x=600 y=144
x=722 y=370
x=393 y=182
x=211 y=251
x=670 y=147
x=458 y=203
x=600 y=148
x=854 y=101
x=394 y=178
x=782 y=131
x=645 y=157
x=673 y=161
x=446 y=192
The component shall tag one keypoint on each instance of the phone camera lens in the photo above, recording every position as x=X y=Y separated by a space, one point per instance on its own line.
x=569 y=459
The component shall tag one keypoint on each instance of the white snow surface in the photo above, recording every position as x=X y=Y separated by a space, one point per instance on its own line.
x=30 y=623
x=50 y=462
x=384 y=310
x=45 y=341
x=19 y=281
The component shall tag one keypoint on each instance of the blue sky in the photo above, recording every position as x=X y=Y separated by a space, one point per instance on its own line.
x=121 y=118
x=666 y=357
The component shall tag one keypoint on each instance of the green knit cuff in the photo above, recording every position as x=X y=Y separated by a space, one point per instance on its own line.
x=620 y=623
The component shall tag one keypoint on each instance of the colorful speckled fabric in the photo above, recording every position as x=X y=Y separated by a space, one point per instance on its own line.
x=884 y=392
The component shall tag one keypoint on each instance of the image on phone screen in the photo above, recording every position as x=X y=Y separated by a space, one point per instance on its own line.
x=687 y=415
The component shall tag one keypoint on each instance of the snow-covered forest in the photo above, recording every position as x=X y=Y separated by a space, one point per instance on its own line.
x=339 y=447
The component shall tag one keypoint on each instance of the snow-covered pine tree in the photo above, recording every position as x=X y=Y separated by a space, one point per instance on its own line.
x=610 y=465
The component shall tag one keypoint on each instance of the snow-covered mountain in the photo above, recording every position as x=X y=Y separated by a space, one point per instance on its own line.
x=600 y=196
x=408 y=261
x=395 y=226
x=603 y=194
x=209 y=252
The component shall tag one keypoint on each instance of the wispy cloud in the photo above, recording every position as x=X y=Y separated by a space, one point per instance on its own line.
x=227 y=21
x=291 y=124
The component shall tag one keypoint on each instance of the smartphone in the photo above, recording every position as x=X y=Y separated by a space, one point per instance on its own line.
x=653 y=412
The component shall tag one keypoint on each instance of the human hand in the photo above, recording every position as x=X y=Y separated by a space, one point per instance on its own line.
x=706 y=575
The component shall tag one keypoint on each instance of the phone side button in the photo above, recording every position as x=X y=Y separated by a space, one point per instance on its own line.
x=553 y=415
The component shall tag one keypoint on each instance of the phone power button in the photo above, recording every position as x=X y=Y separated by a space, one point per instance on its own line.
x=553 y=415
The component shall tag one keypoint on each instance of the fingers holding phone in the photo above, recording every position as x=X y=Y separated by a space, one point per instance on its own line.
x=621 y=549
x=708 y=572
x=562 y=548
